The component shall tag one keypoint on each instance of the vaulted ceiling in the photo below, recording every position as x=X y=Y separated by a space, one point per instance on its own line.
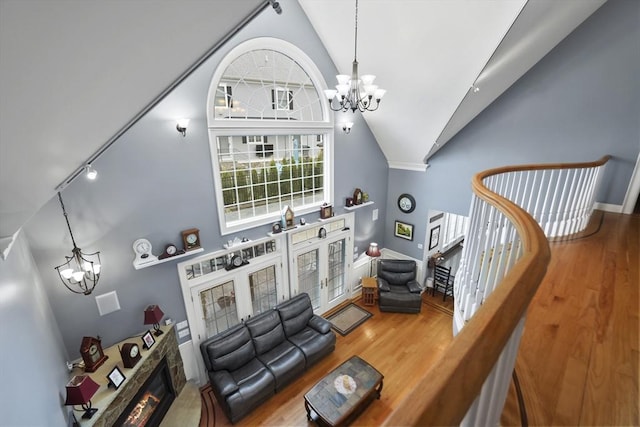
x=66 y=67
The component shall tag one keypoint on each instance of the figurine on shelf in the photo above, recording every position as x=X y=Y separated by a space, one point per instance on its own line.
x=288 y=218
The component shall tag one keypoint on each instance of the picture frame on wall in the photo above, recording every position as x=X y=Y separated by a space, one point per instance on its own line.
x=403 y=230
x=434 y=237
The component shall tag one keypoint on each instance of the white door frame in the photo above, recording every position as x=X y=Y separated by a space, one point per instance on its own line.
x=633 y=190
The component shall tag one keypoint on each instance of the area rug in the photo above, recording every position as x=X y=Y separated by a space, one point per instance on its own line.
x=348 y=318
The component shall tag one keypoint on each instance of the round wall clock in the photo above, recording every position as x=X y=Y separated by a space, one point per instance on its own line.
x=406 y=203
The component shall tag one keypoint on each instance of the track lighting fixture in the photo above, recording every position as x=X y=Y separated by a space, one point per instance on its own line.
x=182 y=126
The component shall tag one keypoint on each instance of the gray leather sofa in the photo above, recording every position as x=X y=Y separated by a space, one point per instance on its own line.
x=250 y=362
x=398 y=290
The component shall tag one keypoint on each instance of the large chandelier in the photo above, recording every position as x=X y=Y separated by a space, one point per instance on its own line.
x=354 y=92
x=81 y=272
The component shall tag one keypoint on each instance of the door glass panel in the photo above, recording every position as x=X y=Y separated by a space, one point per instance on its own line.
x=336 y=276
x=309 y=277
x=263 y=289
x=219 y=308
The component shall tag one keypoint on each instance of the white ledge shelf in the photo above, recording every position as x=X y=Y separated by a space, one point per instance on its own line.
x=350 y=208
x=171 y=258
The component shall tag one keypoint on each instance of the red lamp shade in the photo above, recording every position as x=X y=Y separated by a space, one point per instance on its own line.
x=373 y=250
x=153 y=316
x=80 y=390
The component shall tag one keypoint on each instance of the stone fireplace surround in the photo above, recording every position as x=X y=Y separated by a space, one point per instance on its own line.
x=111 y=403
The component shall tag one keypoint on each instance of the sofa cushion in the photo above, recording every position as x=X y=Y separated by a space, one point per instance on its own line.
x=295 y=313
x=255 y=385
x=229 y=350
x=266 y=331
x=313 y=344
x=285 y=361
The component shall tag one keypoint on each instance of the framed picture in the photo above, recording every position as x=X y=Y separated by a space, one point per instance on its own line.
x=434 y=238
x=403 y=230
x=148 y=340
x=116 y=378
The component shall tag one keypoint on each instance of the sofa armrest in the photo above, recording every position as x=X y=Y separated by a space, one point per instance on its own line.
x=224 y=382
x=383 y=285
x=319 y=324
x=414 y=287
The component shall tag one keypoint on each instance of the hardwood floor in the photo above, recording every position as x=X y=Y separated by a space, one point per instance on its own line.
x=578 y=360
x=579 y=355
x=401 y=346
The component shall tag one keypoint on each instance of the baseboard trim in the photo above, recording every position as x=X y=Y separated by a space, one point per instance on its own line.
x=608 y=207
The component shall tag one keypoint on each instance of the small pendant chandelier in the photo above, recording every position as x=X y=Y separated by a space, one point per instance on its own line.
x=81 y=272
x=354 y=92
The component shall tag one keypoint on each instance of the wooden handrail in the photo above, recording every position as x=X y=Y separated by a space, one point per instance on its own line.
x=450 y=386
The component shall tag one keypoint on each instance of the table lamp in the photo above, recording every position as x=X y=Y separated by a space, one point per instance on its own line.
x=373 y=252
x=153 y=316
x=80 y=390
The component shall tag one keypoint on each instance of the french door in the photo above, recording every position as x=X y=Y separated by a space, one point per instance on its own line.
x=321 y=270
x=220 y=297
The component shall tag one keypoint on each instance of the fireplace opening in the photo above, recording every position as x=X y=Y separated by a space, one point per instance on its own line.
x=152 y=401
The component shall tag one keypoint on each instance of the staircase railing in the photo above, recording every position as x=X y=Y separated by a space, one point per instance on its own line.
x=504 y=259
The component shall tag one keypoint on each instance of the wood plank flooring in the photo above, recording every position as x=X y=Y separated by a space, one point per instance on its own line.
x=401 y=346
x=579 y=356
x=579 y=352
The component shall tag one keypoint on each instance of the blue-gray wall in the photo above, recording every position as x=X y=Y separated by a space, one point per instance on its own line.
x=580 y=102
x=33 y=373
x=153 y=183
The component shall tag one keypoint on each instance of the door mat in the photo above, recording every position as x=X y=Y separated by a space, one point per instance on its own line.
x=349 y=318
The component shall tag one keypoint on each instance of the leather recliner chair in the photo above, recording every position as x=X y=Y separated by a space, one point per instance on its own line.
x=398 y=290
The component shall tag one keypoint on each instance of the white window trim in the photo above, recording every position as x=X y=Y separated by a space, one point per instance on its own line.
x=220 y=126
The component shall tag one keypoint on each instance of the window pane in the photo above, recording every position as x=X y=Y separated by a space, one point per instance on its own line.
x=336 y=269
x=263 y=289
x=309 y=276
x=261 y=179
x=219 y=308
x=267 y=85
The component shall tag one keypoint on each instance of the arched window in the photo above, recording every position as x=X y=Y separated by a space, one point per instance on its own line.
x=270 y=134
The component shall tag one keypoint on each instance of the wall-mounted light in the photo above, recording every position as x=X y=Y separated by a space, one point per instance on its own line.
x=182 y=126
x=346 y=127
x=91 y=172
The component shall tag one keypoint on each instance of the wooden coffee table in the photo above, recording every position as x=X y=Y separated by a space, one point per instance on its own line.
x=344 y=393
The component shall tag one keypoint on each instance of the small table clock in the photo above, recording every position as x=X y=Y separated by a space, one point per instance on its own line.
x=92 y=354
x=130 y=354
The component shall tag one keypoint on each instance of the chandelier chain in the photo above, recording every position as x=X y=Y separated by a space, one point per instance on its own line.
x=355 y=48
x=66 y=217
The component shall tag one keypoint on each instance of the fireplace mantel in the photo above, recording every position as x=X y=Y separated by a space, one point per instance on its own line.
x=110 y=402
